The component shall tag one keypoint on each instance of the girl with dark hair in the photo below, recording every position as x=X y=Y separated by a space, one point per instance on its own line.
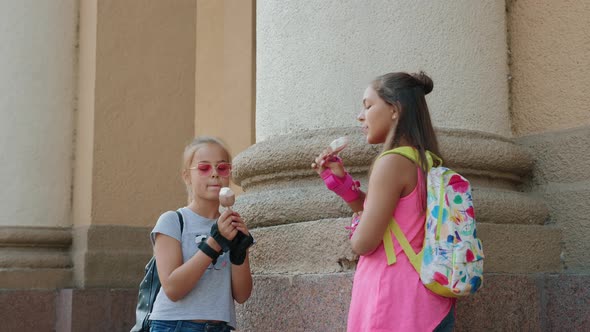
x=390 y=297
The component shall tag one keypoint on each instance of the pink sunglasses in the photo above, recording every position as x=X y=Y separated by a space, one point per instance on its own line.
x=205 y=169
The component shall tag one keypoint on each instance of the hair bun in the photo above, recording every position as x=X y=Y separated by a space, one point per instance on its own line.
x=425 y=81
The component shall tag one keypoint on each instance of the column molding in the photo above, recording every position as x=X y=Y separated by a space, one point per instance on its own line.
x=35 y=257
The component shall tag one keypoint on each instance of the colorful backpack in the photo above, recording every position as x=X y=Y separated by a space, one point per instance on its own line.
x=451 y=261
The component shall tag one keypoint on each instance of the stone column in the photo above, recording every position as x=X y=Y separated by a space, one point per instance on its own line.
x=37 y=103
x=313 y=63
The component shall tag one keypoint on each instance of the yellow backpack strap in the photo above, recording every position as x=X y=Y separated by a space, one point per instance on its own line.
x=406 y=151
x=415 y=259
x=412 y=154
x=388 y=245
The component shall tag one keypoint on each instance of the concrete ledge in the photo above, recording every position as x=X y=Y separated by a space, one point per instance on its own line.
x=35 y=257
x=322 y=246
x=559 y=155
x=520 y=248
x=110 y=256
x=276 y=158
x=508 y=207
x=570 y=211
x=11 y=236
x=39 y=278
x=310 y=247
x=559 y=177
x=280 y=187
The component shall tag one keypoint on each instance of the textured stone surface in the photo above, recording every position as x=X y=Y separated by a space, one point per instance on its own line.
x=39 y=278
x=314 y=302
x=320 y=303
x=570 y=211
x=560 y=179
x=111 y=256
x=280 y=187
x=559 y=155
x=289 y=156
x=27 y=311
x=520 y=248
x=38 y=106
x=508 y=207
x=549 y=64
x=317 y=60
x=568 y=302
x=505 y=303
x=297 y=303
x=97 y=309
x=35 y=257
x=320 y=246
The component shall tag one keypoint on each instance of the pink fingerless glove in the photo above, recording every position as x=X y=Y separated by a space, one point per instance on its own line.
x=345 y=187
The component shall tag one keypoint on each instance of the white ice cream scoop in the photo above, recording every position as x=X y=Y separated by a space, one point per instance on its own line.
x=338 y=145
x=227 y=198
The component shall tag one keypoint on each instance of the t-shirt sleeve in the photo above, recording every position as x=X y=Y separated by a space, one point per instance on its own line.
x=168 y=224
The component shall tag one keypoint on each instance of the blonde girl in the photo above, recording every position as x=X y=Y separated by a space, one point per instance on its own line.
x=203 y=268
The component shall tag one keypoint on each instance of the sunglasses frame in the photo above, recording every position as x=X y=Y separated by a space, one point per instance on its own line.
x=209 y=171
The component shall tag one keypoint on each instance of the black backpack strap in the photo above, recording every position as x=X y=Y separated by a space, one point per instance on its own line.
x=180 y=220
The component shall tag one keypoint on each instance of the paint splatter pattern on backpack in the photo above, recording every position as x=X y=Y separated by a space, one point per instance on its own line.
x=451 y=260
x=452 y=253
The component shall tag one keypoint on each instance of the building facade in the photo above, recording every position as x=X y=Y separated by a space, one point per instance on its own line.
x=99 y=98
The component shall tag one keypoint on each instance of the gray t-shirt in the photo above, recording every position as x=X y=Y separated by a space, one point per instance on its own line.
x=211 y=299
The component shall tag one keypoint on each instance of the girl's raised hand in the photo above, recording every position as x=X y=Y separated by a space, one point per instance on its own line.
x=239 y=224
x=225 y=224
x=328 y=159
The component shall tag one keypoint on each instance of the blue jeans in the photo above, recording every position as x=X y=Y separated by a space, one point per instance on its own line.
x=448 y=323
x=186 y=326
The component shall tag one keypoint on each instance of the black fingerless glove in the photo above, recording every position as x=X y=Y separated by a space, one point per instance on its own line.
x=204 y=247
x=239 y=248
x=222 y=241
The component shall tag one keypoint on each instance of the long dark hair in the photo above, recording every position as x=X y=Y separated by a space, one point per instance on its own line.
x=407 y=92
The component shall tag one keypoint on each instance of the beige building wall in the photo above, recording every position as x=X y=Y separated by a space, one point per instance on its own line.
x=136 y=109
x=550 y=68
x=550 y=65
x=225 y=82
x=136 y=113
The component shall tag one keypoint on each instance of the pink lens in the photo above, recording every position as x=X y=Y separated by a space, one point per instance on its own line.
x=223 y=169
x=205 y=169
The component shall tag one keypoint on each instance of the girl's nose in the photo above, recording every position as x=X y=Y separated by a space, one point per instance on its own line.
x=361 y=116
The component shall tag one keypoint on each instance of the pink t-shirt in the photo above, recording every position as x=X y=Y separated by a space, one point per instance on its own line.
x=392 y=297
